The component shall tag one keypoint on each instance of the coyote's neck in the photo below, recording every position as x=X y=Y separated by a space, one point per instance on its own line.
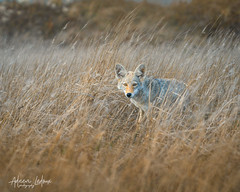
x=141 y=99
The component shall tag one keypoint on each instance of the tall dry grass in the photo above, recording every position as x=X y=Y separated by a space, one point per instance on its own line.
x=62 y=116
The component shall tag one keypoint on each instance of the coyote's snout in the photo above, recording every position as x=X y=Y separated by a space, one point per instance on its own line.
x=143 y=90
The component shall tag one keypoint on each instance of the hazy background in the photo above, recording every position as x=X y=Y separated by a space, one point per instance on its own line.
x=68 y=1
x=78 y=19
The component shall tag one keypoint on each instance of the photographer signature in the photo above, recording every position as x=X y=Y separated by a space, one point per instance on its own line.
x=18 y=182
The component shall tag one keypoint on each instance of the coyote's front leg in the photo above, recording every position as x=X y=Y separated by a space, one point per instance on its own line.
x=140 y=115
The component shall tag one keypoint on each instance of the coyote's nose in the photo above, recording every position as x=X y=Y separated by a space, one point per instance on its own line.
x=129 y=94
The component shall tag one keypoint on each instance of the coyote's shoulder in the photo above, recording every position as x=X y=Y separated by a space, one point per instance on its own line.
x=143 y=90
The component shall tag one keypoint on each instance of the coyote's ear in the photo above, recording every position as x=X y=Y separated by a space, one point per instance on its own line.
x=140 y=71
x=120 y=71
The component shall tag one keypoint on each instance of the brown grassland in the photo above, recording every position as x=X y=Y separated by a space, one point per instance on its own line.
x=62 y=116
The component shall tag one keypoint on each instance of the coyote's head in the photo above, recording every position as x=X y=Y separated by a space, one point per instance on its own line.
x=128 y=81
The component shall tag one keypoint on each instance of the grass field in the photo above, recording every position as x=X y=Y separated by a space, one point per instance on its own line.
x=63 y=118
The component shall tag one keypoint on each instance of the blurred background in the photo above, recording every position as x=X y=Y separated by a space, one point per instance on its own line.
x=77 y=19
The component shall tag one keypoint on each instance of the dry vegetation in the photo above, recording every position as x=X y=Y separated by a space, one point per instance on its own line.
x=62 y=116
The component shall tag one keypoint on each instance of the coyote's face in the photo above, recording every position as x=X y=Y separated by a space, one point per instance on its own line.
x=128 y=81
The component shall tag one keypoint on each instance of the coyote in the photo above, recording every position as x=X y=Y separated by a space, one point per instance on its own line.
x=143 y=90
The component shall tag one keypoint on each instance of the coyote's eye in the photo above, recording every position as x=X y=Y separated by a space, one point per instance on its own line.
x=134 y=84
x=125 y=84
